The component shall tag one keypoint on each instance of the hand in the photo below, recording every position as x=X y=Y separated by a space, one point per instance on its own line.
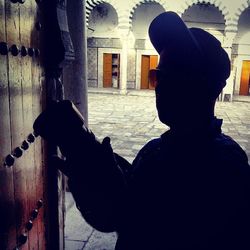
x=58 y=120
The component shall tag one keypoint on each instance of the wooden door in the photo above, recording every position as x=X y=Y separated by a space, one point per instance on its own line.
x=153 y=65
x=107 y=70
x=22 y=184
x=147 y=63
x=245 y=78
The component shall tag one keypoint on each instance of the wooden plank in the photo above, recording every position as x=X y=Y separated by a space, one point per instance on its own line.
x=26 y=34
x=107 y=70
x=245 y=76
x=7 y=207
x=16 y=111
x=145 y=63
x=37 y=103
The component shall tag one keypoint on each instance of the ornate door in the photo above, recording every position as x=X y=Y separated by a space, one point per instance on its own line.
x=22 y=174
x=31 y=194
x=147 y=62
x=107 y=70
x=245 y=78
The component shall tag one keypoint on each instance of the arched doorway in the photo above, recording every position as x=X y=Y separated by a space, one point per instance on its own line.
x=241 y=49
x=103 y=41
x=147 y=57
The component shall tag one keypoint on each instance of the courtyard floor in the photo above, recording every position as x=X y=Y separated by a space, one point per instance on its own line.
x=130 y=121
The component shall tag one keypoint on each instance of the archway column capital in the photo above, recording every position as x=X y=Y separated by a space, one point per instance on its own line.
x=124 y=34
x=229 y=38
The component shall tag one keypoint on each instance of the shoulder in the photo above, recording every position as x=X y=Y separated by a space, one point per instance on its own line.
x=229 y=148
x=231 y=157
x=147 y=150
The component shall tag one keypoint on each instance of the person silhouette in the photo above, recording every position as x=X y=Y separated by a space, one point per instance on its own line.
x=187 y=189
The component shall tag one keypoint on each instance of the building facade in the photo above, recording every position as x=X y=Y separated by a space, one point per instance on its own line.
x=120 y=53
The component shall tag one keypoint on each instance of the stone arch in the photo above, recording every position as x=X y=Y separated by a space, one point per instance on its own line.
x=163 y=3
x=217 y=3
x=91 y=4
x=103 y=21
x=236 y=16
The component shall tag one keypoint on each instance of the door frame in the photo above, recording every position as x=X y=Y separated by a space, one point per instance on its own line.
x=239 y=63
x=100 y=53
x=139 y=54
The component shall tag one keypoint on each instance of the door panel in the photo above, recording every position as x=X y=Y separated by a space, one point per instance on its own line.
x=7 y=203
x=107 y=70
x=23 y=183
x=245 y=76
x=153 y=65
x=145 y=64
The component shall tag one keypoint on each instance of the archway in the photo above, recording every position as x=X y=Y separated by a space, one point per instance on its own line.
x=147 y=57
x=241 y=53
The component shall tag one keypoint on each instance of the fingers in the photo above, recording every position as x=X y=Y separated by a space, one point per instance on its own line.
x=107 y=146
x=60 y=164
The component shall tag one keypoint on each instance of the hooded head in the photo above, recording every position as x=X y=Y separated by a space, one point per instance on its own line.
x=193 y=67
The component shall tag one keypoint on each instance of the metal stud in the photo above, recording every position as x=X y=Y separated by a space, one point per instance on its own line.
x=39 y=203
x=29 y=225
x=3 y=48
x=22 y=238
x=18 y=152
x=9 y=160
x=24 y=51
x=14 y=50
x=34 y=214
x=37 y=52
x=25 y=145
x=31 y=52
x=31 y=138
x=35 y=134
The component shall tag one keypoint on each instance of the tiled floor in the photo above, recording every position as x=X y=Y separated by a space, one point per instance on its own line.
x=131 y=120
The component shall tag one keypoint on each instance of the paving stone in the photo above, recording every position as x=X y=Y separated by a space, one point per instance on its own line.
x=76 y=229
x=131 y=121
x=74 y=245
x=100 y=241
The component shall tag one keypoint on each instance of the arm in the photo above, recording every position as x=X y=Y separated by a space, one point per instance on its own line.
x=95 y=178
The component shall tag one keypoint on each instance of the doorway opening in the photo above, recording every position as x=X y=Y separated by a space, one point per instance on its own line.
x=111 y=70
x=245 y=78
x=147 y=62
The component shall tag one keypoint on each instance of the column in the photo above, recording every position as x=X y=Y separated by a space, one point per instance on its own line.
x=124 y=60
x=75 y=75
x=227 y=45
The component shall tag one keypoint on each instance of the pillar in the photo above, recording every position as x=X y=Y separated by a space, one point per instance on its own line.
x=227 y=45
x=75 y=75
x=124 y=60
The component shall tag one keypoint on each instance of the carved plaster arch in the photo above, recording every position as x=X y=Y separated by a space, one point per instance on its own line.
x=91 y=4
x=137 y=3
x=233 y=27
x=222 y=7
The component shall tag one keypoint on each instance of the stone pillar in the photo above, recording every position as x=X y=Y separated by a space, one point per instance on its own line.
x=124 y=60
x=75 y=76
x=227 y=45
